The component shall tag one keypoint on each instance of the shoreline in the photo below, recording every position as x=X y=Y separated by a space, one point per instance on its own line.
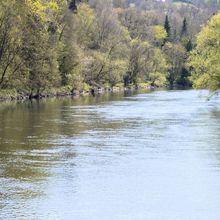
x=19 y=97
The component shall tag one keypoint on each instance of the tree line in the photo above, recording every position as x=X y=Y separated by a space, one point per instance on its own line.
x=79 y=45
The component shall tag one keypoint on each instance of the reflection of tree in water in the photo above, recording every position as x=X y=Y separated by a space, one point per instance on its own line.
x=29 y=140
x=26 y=154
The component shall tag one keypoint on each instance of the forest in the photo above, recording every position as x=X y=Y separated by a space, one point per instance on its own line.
x=59 y=46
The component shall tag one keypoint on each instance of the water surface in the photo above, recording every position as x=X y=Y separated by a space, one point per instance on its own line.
x=149 y=156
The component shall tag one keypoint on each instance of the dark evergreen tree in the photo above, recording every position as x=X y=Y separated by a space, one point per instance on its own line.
x=167 y=26
x=183 y=81
x=184 y=30
x=189 y=45
x=72 y=5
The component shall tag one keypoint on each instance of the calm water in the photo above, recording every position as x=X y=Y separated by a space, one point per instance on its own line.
x=152 y=156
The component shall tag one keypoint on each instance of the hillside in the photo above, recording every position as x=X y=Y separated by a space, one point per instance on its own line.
x=51 y=45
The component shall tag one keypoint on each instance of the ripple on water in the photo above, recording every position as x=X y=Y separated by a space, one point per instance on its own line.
x=149 y=156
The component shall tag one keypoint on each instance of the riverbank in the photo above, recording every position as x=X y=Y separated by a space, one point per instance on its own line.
x=16 y=95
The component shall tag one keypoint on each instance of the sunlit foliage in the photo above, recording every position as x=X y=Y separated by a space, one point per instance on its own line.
x=205 y=57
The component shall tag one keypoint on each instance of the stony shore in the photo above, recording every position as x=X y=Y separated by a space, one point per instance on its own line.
x=16 y=96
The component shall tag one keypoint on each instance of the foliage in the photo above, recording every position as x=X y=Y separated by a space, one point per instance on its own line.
x=205 y=57
x=53 y=44
x=160 y=34
x=176 y=56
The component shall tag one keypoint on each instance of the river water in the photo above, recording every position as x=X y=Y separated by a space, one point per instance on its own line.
x=146 y=156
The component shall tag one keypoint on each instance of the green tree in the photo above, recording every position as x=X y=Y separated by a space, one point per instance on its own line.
x=157 y=68
x=137 y=65
x=10 y=42
x=176 y=56
x=85 y=24
x=38 y=54
x=70 y=66
x=204 y=59
x=160 y=35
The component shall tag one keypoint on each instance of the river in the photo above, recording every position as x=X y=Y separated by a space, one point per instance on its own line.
x=147 y=156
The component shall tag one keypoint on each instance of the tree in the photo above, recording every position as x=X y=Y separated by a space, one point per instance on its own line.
x=106 y=60
x=10 y=42
x=176 y=56
x=157 y=68
x=119 y=3
x=188 y=45
x=72 y=6
x=70 y=66
x=204 y=59
x=85 y=22
x=38 y=57
x=137 y=65
x=160 y=35
x=167 y=26
x=184 y=29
